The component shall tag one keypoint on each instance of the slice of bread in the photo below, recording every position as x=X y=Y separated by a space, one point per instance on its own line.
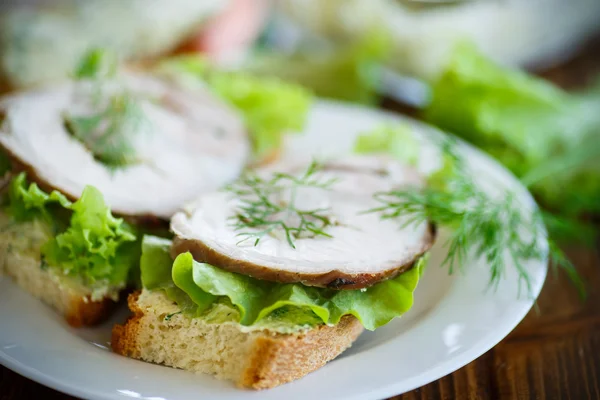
x=257 y=359
x=20 y=258
x=72 y=301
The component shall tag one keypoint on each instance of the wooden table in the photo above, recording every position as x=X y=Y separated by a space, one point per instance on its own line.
x=553 y=354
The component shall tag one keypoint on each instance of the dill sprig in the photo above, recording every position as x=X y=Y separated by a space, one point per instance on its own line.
x=97 y=64
x=496 y=229
x=268 y=206
x=107 y=131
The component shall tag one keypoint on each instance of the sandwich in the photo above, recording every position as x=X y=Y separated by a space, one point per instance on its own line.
x=91 y=164
x=278 y=273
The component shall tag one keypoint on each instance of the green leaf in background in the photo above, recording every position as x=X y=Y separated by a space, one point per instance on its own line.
x=270 y=107
x=570 y=181
x=528 y=124
x=256 y=299
x=97 y=64
x=395 y=139
x=350 y=73
x=89 y=243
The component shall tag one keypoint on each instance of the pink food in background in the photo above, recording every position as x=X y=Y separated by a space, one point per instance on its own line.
x=233 y=30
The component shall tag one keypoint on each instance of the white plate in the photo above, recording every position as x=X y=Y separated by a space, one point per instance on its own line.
x=454 y=320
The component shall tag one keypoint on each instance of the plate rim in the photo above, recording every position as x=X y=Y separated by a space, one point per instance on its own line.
x=394 y=388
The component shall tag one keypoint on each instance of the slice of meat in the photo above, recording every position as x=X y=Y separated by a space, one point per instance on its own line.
x=188 y=143
x=357 y=249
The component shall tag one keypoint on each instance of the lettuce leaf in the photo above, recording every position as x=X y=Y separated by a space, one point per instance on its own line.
x=399 y=142
x=525 y=122
x=89 y=243
x=350 y=73
x=27 y=202
x=396 y=140
x=269 y=106
x=155 y=270
x=255 y=299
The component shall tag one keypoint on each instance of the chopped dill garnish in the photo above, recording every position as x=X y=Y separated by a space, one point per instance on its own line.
x=268 y=206
x=496 y=229
x=106 y=131
x=97 y=64
x=169 y=316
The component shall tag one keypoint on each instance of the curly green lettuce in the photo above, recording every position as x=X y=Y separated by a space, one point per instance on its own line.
x=196 y=287
x=270 y=107
x=89 y=243
x=27 y=202
x=528 y=124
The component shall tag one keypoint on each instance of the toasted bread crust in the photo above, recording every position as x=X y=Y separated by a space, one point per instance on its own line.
x=84 y=312
x=78 y=309
x=284 y=358
x=124 y=337
x=272 y=360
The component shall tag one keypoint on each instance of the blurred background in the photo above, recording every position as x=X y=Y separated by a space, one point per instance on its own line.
x=470 y=67
x=42 y=40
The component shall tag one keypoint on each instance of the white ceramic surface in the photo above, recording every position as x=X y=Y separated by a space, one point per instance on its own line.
x=454 y=320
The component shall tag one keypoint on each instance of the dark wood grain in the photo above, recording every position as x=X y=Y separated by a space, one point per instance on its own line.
x=553 y=354
x=16 y=387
